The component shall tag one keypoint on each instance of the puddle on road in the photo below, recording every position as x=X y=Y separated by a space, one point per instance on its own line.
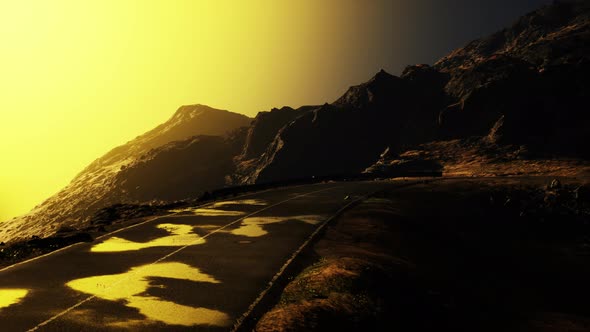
x=214 y=210
x=129 y=287
x=376 y=200
x=217 y=213
x=208 y=226
x=257 y=202
x=253 y=226
x=181 y=235
x=206 y=212
x=9 y=297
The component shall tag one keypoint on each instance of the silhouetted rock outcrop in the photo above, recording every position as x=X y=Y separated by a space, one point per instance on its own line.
x=348 y=135
x=520 y=93
x=526 y=86
x=553 y=35
x=265 y=127
x=529 y=82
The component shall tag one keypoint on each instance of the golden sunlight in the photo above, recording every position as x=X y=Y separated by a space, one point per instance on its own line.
x=131 y=287
x=253 y=226
x=9 y=297
x=180 y=236
x=81 y=77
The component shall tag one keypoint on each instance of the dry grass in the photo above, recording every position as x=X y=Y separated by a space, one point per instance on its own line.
x=347 y=289
x=496 y=254
x=480 y=157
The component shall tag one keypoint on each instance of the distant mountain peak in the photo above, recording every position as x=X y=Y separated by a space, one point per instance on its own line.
x=99 y=184
x=525 y=87
x=191 y=111
x=551 y=35
x=382 y=76
x=359 y=96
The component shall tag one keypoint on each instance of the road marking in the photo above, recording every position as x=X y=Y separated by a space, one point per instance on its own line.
x=35 y=328
x=79 y=243
x=283 y=268
x=143 y=223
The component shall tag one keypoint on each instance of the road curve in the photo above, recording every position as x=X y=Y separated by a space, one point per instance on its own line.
x=197 y=269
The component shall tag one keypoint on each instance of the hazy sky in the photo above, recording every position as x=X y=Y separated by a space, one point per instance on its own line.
x=78 y=78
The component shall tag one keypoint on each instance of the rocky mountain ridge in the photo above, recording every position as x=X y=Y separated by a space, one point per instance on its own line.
x=101 y=184
x=520 y=94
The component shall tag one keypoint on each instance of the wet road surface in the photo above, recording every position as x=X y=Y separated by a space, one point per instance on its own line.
x=196 y=269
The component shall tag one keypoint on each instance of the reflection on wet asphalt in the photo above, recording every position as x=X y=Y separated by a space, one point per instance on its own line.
x=131 y=287
x=9 y=297
x=252 y=227
x=198 y=268
x=257 y=202
x=215 y=211
x=206 y=212
x=181 y=235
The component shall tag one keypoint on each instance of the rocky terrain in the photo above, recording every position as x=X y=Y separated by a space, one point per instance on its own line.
x=114 y=177
x=521 y=93
x=513 y=103
x=501 y=254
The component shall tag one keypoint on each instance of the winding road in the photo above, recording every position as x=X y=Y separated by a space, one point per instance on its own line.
x=200 y=268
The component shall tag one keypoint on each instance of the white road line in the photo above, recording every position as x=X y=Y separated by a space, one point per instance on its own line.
x=173 y=253
x=283 y=268
x=141 y=223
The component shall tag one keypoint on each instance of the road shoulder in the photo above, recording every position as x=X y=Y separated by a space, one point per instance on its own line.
x=457 y=255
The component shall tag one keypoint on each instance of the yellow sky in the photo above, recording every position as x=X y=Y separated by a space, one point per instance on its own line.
x=78 y=78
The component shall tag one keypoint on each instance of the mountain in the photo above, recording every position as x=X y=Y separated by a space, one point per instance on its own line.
x=522 y=91
x=349 y=134
x=188 y=121
x=511 y=103
x=526 y=86
x=530 y=80
x=550 y=36
x=260 y=135
x=115 y=177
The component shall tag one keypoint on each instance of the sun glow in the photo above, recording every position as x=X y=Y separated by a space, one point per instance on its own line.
x=131 y=288
x=81 y=77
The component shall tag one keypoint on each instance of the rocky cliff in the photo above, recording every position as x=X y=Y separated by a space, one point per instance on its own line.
x=519 y=94
x=119 y=175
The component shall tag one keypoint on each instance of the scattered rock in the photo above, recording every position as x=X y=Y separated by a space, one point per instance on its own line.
x=555 y=184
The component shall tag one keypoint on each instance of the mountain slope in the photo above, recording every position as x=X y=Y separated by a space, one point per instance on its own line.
x=259 y=136
x=182 y=169
x=519 y=94
x=523 y=92
x=347 y=135
x=552 y=35
x=526 y=85
x=529 y=81
x=188 y=121
x=101 y=184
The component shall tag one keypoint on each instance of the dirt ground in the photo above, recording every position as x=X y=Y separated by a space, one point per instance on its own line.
x=495 y=254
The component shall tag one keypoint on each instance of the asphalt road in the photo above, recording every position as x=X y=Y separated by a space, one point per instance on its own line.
x=198 y=269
